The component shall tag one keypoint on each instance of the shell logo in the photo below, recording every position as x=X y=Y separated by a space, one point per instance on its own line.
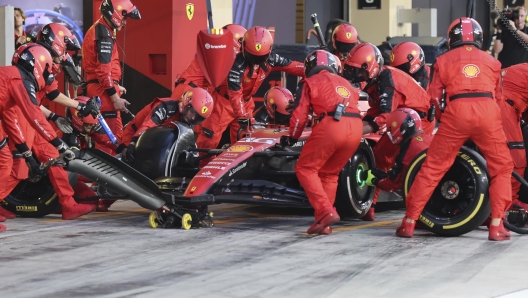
x=413 y=52
x=119 y=7
x=61 y=33
x=204 y=110
x=343 y=91
x=240 y=148
x=348 y=35
x=392 y=57
x=394 y=124
x=471 y=70
x=369 y=58
x=271 y=101
x=258 y=46
x=42 y=58
x=189 y=93
x=237 y=36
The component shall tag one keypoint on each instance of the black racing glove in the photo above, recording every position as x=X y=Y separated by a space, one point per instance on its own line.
x=61 y=123
x=131 y=150
x=287 y=141
x=36 y=172
x=65 y=153
x=90 y=108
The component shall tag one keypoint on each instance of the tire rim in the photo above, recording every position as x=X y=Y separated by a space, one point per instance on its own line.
x=450 y=189
x=358 y=189
x=359 y=171
x=454 y=195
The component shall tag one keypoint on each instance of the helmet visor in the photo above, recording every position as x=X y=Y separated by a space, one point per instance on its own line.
x=67 y=61
x=48 y=76
x=344 y=48
x=134 y=14
x=355 y=74
x=255 y=60
x=72 y=44
x=191 y=116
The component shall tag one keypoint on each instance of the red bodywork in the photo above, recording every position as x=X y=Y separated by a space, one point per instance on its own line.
x=215 y=56
x=233 y=159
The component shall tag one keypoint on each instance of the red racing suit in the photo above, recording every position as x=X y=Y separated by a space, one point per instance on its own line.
x=6 y=161
x=471 y=79
x=408 y=151
x=332 y=142
x=161 y=111
x=394 y=89
x=233 y=99
x=21 y=117
x=102 y=72
x=514 y=102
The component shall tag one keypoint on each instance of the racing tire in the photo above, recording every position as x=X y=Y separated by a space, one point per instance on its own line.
x=153 y=151
x=523 y=192
x=460 y=201
x=34 y=199
x=354 y=197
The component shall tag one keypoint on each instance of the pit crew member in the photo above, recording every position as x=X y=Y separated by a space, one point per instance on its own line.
x=471 y=79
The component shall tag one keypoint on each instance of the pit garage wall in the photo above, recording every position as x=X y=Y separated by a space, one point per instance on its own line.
x=449 y=10
x=374 y=25
x=158 y=47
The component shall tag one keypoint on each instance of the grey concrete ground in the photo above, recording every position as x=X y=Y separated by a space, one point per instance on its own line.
x=251 y=252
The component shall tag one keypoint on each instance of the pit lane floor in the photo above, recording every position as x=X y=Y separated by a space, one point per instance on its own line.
x=251 y=252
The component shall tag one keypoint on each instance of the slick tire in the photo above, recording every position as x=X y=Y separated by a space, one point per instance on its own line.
x=460 y=202
x=34 y=199
x=523 y=192
x=354 y=197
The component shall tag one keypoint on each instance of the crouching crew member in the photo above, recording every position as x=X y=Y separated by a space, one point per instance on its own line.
x=404 y=130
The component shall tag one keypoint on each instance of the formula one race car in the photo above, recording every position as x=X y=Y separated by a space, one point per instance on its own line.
x=255 y=170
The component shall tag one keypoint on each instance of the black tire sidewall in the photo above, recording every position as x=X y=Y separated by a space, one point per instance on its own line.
x=477 y=211
x=24 y=206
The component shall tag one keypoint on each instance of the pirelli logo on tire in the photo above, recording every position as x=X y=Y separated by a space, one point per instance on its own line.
x=26 y=208
x=471 y=162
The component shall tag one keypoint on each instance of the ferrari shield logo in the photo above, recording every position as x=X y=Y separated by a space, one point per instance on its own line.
x=419 y=138
x=189 y=8
x=204 y=110
x=258 y=46
x=392 y=57
x=348 y=35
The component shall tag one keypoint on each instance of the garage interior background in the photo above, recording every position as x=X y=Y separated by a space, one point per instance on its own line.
x=163 y=42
